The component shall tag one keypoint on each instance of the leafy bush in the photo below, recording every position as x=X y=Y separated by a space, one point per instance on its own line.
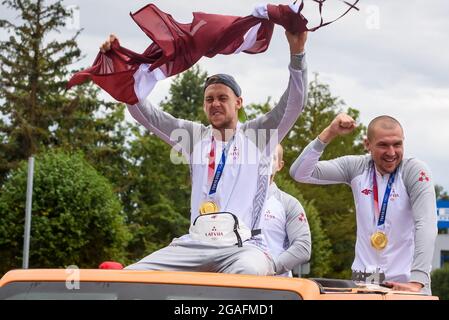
x=76 y=217
x=440 y=283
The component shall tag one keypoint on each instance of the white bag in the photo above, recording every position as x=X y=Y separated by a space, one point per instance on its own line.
x=220 y=228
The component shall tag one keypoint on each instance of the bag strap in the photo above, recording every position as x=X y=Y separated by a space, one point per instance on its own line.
x=237 y=234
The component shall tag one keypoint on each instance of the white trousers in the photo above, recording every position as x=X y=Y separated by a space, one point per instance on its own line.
x=183 y=255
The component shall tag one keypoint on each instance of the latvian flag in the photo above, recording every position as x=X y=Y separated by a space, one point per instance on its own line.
x=129 y=77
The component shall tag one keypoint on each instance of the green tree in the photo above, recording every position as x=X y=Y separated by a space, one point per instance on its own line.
x=440 y=283
x=76 y=217
x=440 y=193
x=186 y=96
x=36 y=110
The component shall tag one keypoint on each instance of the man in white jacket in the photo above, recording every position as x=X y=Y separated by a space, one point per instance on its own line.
x=285 y=225
x=229 y=163
x=394 y=198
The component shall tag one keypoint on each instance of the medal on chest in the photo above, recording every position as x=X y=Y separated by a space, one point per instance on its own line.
x=210 y=204
x=209 y=207
x=379 y=239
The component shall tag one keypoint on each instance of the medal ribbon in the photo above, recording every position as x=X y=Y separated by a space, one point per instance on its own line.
x=220 y=167
x=383 y=211
x=211 y=167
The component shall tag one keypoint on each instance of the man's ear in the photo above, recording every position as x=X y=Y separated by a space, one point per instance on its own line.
x=239 y=102
x=366 y=144
x=281 y=165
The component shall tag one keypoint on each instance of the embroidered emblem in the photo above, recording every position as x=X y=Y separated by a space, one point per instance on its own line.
x=394 y=195
x=367 y=192
x=235 y=153
x=269 y=215
x=423 y=177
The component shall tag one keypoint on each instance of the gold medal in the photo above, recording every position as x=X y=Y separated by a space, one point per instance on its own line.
x=379 y=240
x=208 y=207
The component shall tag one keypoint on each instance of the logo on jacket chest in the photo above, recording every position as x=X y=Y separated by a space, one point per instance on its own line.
x=367 y=191
x=235 y=153
x=393 y=195
x=269 y=215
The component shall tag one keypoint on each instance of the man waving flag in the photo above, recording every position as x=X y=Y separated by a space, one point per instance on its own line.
x=129 y=77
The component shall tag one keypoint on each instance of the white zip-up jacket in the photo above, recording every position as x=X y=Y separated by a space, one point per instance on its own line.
x=242 y=189
x=411 y=219
x=286 y=230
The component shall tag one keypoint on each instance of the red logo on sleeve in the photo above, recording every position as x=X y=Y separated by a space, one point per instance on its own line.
x=423 y=177
x=302 y=217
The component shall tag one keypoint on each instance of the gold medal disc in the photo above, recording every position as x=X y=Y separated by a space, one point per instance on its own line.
x=379 y=240
x=208 y=207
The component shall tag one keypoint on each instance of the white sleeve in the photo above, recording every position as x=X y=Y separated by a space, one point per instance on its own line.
x=418 y=181
x=278 y=122
x=308 y=169
x=299 y=237
x=178 y=133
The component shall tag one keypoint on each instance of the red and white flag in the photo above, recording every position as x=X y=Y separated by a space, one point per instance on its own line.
x=129 y=77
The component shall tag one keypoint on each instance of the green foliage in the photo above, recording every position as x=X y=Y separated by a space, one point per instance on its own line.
x=76 y=217
x=440 y=283
x=186 y=96
x=254 y=110
x=36 y=110
x=440 y=193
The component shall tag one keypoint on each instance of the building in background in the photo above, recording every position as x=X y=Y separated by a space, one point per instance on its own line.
x=441 y=253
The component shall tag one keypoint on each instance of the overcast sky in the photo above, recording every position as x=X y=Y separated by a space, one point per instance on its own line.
x=391 y=57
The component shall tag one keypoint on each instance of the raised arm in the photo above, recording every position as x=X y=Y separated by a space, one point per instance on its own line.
x=286 y=112
x=308 y=169
x=178 y=133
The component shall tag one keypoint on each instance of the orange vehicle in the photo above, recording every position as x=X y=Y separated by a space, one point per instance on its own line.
x=93 y=284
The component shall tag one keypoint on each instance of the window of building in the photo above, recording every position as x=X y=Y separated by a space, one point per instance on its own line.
x=444 y=258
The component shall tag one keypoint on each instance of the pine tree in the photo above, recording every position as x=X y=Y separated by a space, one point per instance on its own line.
x=36 y=111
